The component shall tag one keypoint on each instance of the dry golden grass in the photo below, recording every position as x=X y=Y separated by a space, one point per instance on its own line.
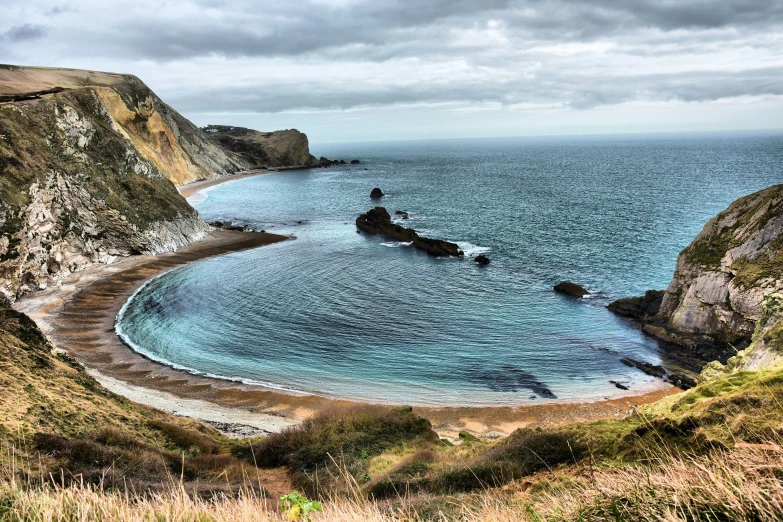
x=743 y=484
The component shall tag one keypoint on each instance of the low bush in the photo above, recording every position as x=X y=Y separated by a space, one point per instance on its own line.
x=338 y=435
x=189 y=441
x=326 y=453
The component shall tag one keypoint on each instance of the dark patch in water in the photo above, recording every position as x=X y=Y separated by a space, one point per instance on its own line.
x=512 y=379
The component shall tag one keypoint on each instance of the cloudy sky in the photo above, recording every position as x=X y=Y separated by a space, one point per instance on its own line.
x=361 y=70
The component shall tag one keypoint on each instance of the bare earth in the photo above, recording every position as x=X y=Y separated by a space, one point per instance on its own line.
x=78 y=317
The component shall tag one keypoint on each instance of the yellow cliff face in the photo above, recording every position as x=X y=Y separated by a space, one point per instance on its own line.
x=152 y=137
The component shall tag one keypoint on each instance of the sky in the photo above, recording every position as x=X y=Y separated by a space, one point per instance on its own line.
x=367 y=70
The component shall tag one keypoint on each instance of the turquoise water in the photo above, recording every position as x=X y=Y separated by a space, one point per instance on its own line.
x=338 y=313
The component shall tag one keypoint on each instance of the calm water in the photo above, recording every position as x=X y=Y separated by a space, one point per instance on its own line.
x=339 y=313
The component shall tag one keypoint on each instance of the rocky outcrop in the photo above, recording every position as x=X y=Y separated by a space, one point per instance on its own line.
x=376 y=193
x=378 y=221
x=285 y=148
x=644 y=307
x=572 y=289
x=713 y=303
x=482 y=260
x=721 y=278
x=87 y=174
x=766 y=347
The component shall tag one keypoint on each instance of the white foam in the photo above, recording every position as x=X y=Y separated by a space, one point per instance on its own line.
x=472 y=250
x=396 y=244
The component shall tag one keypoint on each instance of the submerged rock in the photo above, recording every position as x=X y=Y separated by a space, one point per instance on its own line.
x=653 y=370
x=376 y=193
x=572 y=289
x=482 y=260
x=619 y=385
x=355 y=162
x=378 y=221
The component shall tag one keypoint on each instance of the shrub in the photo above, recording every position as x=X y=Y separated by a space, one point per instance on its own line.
x=349 y=434
x=324 y=453
x=186 y=440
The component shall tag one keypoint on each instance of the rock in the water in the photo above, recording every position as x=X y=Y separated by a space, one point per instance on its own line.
x=653 y=370
x=342 y=162
x=572 y=289
x=642 y=307
x=355 y=162
x=378 y=221
x=482 y=259
x=619 y=385
x=678 y=379
x=376 y=193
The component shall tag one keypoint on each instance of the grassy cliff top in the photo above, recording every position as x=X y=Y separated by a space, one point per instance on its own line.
x=16 y=79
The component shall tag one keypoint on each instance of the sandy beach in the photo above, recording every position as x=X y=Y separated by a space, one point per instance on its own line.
x=190 y=189
x=78 y=316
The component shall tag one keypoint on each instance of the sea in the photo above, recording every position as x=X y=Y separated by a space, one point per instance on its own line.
x=343 y=314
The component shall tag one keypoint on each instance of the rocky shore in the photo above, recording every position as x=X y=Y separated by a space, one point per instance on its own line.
x=712 y=306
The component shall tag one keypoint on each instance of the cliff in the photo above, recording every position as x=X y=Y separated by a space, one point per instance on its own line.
x=284 y=148
x=87 y=162
x=721 y=279
x=766 y=348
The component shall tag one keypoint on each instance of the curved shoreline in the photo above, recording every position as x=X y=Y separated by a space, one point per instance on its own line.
x=79 y=317
x=191 y=189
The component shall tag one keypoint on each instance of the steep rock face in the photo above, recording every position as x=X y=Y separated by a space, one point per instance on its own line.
x=77 y=187
x=766 y=348
x=285 y=148
x=722 y=277
x=160 y=135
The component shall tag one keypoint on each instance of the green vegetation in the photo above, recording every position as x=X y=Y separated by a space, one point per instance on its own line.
x=298 y=507
x=732 y=228
x=324 y=454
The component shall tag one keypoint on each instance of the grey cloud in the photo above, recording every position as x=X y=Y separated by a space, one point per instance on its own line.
x=24 y=32
x=528 y=63
x=548 y=88
x=378 y=28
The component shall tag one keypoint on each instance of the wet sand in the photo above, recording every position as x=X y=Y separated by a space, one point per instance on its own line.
x=79 y=317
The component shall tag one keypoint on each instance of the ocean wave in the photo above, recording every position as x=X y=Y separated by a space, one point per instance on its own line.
x=472 y=250
x=396 y=244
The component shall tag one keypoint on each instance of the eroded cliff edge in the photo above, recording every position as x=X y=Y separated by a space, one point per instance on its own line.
x=88 y=166
x=717 y=295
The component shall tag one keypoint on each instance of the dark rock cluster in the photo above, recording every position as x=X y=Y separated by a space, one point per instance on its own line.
x=378 y=221
x=642 y=307
x=572 y=289
x=678 y=379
